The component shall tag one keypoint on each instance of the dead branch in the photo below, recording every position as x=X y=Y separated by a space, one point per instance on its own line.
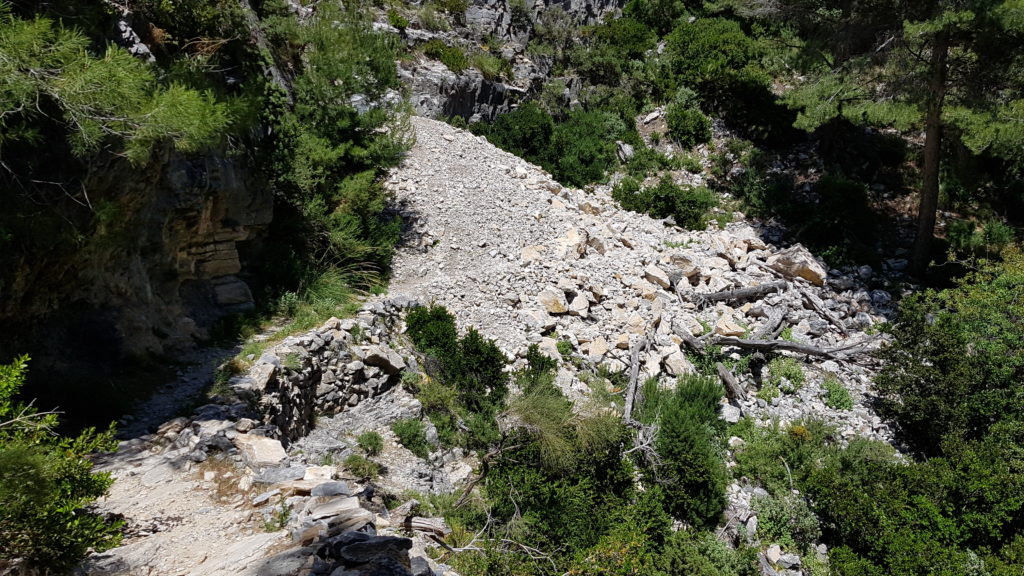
x=740 y=294
x=634 y=376
x=774 y=322
x=431 y=525
x=818 y=306
x=732 y=388
x=773 y=345
x=695 y=344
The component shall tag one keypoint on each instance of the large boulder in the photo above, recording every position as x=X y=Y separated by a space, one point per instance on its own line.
x=797 y=262
x=260 y=451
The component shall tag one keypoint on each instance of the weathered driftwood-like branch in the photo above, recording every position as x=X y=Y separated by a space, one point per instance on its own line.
x=740 y=294
x=695 y=344
x=773 y=345
x=774 y=322
x=431 y=525
x=732 y=388
x=634 y=376
x=818 y=306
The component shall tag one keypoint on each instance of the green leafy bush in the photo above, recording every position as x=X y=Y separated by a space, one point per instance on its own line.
x=687 y=125
x=786 y=519
x=786 y=374
x=836 y=395
x=701 y=554
x=955 y=365
x=361 y=467
x=525 y=132
x=47 y=485
x=451 y=56
x=432 y=329
x=583 y=147
x=412 y=434
x=470 y=382
x=491 y=66
x=396 y=20
x=371 y=442
x=689 y=207
x=692 y=472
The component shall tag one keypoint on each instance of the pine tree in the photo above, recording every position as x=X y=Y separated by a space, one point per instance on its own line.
x=949 y=68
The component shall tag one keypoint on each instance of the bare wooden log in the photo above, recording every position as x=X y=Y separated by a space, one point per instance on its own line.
x=732 y=388
x=743 y=293
x=818 y=306
x=634 y=376
x=430 y=525
x=775 y=318
x=680 y=329
x=773 y=345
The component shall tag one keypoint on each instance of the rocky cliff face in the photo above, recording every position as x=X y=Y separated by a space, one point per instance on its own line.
x=166 y=260
x=496 y=16
x=437 y=92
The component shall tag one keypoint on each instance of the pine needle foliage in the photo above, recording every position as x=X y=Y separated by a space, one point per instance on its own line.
x=47 y=484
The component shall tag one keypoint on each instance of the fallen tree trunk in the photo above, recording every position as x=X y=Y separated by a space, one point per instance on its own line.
x=740 y=294
x=634 y=376
x=432 y=525
x=773 y=345
x=732 y=388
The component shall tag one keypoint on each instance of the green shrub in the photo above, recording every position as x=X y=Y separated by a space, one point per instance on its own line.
x=701 y=554
x=47 y=485
x=477 y=373
x=688 y=126
x=646 y=161
x=786 y=374
x=432 y=329
x=451 y=56
x=491 y=66
x=371 y=442
x=955 y=365
x=786 y=519
x=452 y=6
x=692 y=472
x=412 y=434
x=431 y=20
x=837 y=396
x=525 y=132
x=396 y=20
x=361 y=467
x=688 y=206
x=583 y=147
x=564 y=348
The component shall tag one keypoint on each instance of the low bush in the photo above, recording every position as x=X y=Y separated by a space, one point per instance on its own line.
x=525 y=132
x=583 y=147
x=47 y=485
x=361 y=467
x=786 y=519
x=451 y=56
x=371 y=442
x=688 y=126
x=432 y=329
x=396 y=20
x=491 y=66
x=786 y=374
x=467 y=377
x=836 y=395
x=955 y=366
x=692 y=472
x=689 y=207
x=412 y=434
